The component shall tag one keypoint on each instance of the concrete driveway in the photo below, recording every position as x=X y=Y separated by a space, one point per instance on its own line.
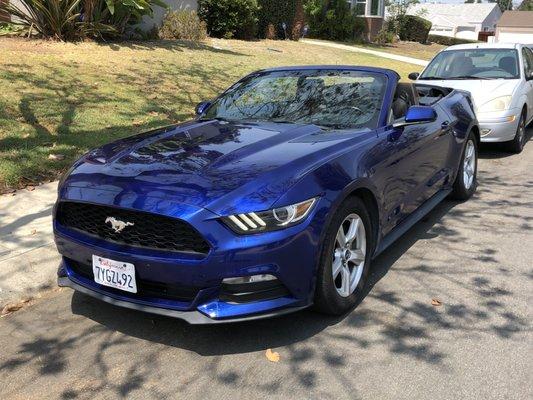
x=475 y=257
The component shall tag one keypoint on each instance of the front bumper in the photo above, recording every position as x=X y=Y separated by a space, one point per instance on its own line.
x=499 y=126
x=290 y=255
x=192 y=317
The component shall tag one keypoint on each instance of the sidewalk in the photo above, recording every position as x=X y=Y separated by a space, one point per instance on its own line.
x=28 y=257
x=356 y=49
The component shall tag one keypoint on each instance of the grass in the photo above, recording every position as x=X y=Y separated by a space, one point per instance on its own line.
x=63 y=99
x=410 y=49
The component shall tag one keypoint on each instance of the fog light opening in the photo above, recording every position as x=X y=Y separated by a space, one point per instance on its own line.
x=249 y=279
x=485 y=132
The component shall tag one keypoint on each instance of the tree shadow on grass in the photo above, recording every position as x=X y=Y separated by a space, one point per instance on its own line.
x=169 y=45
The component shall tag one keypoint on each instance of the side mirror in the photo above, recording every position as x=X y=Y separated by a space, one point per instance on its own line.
x=413 y=76
x=202 y=107
x=529 y=77
x=417 y=115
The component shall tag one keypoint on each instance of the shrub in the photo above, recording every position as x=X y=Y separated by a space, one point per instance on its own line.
x=183 y=24
x=230 y=18
x=273 y=13
x=449 y=41
x=384 y=36
x=410 y=27
x=334 y=20
x=77 y=19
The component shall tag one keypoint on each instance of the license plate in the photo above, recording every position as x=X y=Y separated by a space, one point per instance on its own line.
x=115 y=274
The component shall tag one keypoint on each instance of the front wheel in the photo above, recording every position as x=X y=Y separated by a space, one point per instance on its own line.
x=345 y=259
x=466 y=180
x=517 y=144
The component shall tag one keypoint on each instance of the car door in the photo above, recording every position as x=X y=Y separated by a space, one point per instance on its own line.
x=413 y=167
x=527 y=59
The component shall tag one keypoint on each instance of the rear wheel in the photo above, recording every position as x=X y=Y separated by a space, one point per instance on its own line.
x=466 y=180
x=517 y=144
x=345 y=259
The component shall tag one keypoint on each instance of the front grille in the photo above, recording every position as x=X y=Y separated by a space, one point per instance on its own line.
x=149 y=231
x=145 y=288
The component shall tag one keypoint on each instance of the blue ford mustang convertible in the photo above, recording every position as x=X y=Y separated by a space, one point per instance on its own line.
x=276 y=197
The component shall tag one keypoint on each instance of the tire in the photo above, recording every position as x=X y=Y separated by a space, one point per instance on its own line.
x=465 y=184
x=517 y=144
x=328 y=297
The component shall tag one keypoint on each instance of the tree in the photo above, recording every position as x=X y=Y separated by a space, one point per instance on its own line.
x=504 y=4
x=526 y=5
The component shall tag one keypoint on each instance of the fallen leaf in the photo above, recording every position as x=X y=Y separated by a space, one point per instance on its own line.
x=272 y=355
x=33 y=231
x=56 y=157
x=436 y=302
x=9 y=308
x=30 y=188
x=137 y=123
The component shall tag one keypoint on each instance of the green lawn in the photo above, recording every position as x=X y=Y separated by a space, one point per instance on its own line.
x=63 y=99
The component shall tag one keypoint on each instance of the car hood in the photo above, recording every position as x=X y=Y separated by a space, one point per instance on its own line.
x=221 y=166
x=482 y=90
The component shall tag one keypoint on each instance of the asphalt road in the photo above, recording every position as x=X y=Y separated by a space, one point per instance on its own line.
x=475 y=257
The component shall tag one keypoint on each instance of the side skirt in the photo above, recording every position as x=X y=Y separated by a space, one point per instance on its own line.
x=412 y=219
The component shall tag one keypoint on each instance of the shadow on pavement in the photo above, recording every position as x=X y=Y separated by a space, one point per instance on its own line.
x=252 y=336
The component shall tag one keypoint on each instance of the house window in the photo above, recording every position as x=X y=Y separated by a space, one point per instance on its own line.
x=374 y=7
x=360 y=7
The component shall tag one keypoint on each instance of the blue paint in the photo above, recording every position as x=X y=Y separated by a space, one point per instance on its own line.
x=201 y=170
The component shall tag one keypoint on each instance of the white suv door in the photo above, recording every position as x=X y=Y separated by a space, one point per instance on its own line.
x=527 y=60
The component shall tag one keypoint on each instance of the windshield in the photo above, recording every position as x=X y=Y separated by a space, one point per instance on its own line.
x=474 y=64
x=329 y=98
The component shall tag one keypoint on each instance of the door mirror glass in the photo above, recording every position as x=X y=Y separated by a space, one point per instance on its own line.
x=413 y=76
x=417 y=115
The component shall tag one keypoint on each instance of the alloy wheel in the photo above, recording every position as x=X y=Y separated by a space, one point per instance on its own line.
x=349 y=255
x=469 y=164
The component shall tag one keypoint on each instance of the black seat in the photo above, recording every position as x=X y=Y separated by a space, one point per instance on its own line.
x=508 y=64
x=405 y=96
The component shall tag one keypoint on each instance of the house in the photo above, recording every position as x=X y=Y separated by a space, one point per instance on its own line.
x=463 y=21
x=373 y=12
x=515 y=27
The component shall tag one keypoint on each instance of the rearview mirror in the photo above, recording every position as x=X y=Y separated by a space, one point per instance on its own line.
x=413 y=76
x=202 y=107
x=417 y=115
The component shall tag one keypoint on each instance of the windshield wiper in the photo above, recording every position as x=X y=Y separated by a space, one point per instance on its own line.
x=468 y=77
x=431 y=78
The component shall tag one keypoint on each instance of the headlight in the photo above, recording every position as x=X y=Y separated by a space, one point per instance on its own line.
x=497 y=104
x=270 y=220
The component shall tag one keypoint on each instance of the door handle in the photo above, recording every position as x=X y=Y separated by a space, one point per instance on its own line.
x=445 y=125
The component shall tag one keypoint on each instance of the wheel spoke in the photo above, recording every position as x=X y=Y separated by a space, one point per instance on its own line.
x=341 y=237
x=336 y=266
x=357 y=257
x=352 y=230
x=345 y=288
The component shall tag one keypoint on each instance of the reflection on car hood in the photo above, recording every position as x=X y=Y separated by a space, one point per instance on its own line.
x=482 y=90
x=217 y=165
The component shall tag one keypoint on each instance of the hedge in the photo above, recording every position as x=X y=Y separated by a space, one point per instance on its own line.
x=449 y=41
x=412 y=28
x=230 y=18
x=275 y=13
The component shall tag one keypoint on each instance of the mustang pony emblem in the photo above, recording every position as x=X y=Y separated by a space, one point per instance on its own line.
x=117 y=225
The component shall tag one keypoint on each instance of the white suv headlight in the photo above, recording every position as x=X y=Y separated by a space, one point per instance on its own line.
x=498 y=104
x=270 y=220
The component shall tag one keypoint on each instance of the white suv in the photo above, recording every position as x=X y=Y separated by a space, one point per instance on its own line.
x=500 y=78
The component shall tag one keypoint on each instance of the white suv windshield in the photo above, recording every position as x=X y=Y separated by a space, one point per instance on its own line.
x=474 y=64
